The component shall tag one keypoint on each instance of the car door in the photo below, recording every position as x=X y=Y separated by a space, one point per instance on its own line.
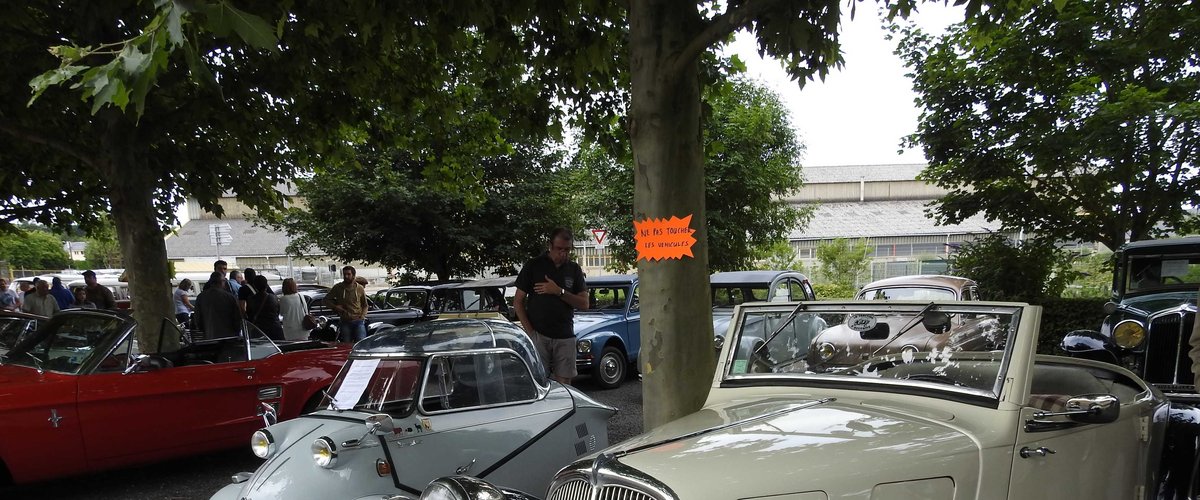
x=1108 y=460
x=142 y=416
x=633 y=321
x=483 y=404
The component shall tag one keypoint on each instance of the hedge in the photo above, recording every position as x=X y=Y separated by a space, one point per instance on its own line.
x=1062 y=315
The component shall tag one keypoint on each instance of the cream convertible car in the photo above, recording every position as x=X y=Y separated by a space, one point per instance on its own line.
x=951 y=424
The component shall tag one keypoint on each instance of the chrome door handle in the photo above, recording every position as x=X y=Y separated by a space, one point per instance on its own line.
x=1041 y=452
x=248 y=369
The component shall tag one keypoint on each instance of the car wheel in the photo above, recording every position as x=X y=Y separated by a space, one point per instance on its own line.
x=611 y=368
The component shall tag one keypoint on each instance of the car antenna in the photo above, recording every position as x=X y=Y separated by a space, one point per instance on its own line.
x=908 y=326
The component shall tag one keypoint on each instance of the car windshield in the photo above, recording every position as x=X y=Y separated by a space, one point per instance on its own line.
x=607 y=298
x=67 y=341
x=931 y=345
x=14 y=329
x=1147 y=274
x=393 y=299
x=729 y=296
x=377 y=385
x=907 y=293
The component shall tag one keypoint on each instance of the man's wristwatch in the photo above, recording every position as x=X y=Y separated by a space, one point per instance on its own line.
x=561 y=292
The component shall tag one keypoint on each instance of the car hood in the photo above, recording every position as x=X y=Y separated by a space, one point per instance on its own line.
x=587 y=323
x=799 y=445
x=1158 y=301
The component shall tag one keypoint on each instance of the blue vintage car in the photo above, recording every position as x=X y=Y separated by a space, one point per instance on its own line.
x=609 y=332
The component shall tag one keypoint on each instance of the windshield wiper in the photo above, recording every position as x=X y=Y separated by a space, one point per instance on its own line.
x=782 y=325
x=907 y=326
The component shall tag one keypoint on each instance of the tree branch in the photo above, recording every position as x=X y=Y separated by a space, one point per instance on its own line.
x=717 y=29
x=57 y=145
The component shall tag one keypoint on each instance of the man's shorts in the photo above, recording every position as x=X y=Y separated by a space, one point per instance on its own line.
x=558 y=354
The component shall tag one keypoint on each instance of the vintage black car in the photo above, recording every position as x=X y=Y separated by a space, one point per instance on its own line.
x=1146 y=329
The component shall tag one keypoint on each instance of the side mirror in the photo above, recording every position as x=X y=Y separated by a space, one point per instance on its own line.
x=268 y=413
x=1088 y=409
x=379 y=424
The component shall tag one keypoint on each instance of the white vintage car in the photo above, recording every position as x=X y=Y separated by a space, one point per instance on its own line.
x=458 y=396
x=974 y=422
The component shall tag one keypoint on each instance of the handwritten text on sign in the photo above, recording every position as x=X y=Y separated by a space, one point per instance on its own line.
x=664 y=238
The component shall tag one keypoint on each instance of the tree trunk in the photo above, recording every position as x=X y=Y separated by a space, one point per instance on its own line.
x=131 y=191
x=677 y=359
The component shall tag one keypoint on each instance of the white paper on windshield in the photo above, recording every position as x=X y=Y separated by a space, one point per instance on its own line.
x=1176 y=268
x=354 y=383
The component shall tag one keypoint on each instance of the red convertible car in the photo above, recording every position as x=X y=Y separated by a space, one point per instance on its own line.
x=79 y=397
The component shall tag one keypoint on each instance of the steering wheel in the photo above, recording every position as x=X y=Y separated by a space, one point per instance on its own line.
x=931 y=377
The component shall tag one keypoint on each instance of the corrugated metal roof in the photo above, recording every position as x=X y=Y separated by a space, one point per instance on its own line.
x=249 y=240
x=854 y=173
x=880 y=219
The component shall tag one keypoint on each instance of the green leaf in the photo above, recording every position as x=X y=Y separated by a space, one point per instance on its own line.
x=175 y=24
x=53 y=77
x=199 y=70
x=133 y=61
x=222 y=18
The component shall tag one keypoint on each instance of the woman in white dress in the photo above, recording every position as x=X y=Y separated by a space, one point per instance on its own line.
x=293 y=310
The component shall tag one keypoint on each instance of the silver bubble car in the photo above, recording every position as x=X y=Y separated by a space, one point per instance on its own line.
x=458 y=396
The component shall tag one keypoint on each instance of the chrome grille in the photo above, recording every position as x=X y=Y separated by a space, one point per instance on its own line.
x=579 y=489
x=1166 y=358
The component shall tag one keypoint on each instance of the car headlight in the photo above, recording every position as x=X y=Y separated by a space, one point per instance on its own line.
x=584 y=347
x=461 y=488
x=826 y=351
x=262 y=443
x=324 y=452
x=1129 y=334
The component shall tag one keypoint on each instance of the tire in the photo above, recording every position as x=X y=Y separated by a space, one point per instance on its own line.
x=611 y=368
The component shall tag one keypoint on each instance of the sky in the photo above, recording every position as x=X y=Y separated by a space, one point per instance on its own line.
x=859 y=114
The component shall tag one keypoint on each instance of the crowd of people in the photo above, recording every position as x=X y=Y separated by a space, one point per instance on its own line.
x=47 y=298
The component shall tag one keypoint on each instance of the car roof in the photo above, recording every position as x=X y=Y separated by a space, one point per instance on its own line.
x=750 y=277
x=1149 y=246
x=502 y=281
x=445 y=335
x=939 y=280
x=612 y=279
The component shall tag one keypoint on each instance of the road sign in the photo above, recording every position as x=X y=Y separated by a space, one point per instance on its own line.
x=219 y=234
x=599 y=234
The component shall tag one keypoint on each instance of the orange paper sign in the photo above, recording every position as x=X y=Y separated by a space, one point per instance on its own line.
x=664 y=238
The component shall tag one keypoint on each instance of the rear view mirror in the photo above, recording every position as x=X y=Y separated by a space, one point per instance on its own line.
x=880 y=331
x=1094 y=408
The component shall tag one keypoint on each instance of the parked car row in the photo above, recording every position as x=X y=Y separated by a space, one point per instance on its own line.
x=915 y=389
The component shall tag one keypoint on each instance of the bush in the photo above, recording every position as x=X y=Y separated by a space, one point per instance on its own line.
x=828 y=291
x=1028 y=271
x=1062 y=315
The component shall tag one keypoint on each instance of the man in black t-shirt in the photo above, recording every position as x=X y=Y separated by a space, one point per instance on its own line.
x=549 y=289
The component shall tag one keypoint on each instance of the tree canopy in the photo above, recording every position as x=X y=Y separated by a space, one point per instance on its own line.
x=752 y=159
x=34 y=249
x=388 y=212
x=338 y=63
x=1078 y=120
